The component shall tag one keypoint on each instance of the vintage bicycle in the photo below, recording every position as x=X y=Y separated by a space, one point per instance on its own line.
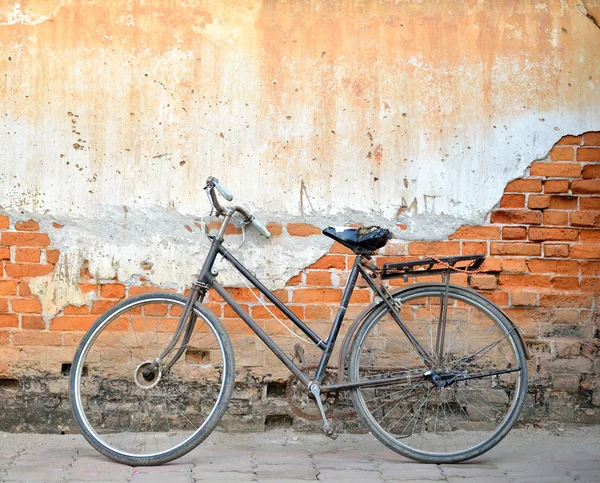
x=435 y=371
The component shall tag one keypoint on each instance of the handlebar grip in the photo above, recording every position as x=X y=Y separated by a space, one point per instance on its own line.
x=221 y=189
x=262 y=229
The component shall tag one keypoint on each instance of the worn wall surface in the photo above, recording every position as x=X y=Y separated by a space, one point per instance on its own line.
x=414 y=114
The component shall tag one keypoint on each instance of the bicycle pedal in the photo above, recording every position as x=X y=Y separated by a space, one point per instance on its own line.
x=329 y=432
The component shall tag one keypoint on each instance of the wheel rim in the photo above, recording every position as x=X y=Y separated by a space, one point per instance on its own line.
x=425 y=419
x=136 y=417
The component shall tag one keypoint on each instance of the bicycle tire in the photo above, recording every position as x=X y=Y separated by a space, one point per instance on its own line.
x=139 y=421
x=417 y=418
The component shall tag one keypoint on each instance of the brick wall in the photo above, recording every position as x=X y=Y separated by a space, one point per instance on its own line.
x=543 y=267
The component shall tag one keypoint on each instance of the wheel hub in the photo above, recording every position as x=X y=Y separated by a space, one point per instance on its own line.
x=442 y=378
x=150 y=380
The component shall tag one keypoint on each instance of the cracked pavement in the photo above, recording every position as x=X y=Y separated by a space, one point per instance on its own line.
x=526 y=455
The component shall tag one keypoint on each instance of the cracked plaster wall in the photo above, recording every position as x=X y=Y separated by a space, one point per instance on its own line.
x=413 y=113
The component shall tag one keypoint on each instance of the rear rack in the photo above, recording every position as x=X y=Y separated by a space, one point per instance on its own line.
x=425 y=266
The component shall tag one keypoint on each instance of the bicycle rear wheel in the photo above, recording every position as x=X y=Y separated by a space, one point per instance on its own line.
x=458 y=404
x=151 y=419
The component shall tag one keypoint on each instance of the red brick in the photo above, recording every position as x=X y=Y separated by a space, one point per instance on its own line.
x=556 y=250
x=434 y=248
x=590 y=236
x=33 y=322
x=585 y=186
x=296 y=280
x=556 y=218
x=36 y=338
x=514 y=233
x=52 y=256
x=318 y=278
x=525 y=280
x=590 y=203
x=588 y=154
x=26 y=306
x=499 y=298
x=556 y=186
x=517 y=217
x=28 y=255
x=591 y=284
x=524 y=185
x=483 y=281
x=514 y=265
x=21 y=270
x=591 y=171
x=559 y=234
x=590 y=269
x=516 y=248
x=312 y=295
x=476 y=233
x=562 y=154
x=302 y=229
x=4 y=338
x=74 y=310
x=330 y=261
x=25 y=239
x=565 y=300
x=539 y=202
x=9 y=320
x=563 y=203
x=512 y=201
x=24 y=290
x=519 y=298
x=339 y=249
x=8 y=287
x=275 y=228
x=591 y=139
x=27 y=225
x=570 y=140
x=112 y=291
x=565 y=283
x=586 y=252
x=4 y=253
x=4 y=222
x=589 y=219
x=72 y=322
x=3 y=305
x=561 y=267
x=556 y=170
x=230 y=230
x=474 y=248
x=135 y=290
x=260 y=312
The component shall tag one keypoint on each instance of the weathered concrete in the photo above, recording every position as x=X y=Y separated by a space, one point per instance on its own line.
x=524 y=456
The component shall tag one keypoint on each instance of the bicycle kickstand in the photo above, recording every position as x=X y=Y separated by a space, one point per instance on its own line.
x=327 y=428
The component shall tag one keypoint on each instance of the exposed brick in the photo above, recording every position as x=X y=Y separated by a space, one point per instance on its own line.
x=524 y=185
x=4 y=222
x=4 y=339
x=275 y=228
x=590 y=236
x=586 y=252
x=33 y=322
x=591 y=171
x=590 y=284
x=29 y=225
x=499 y=298
x=28 y=255
x=514 y=265
x=559 y=234
x=556 y=250
x=74 y=310
x=318 y=278
x=474 y=248
x=589 y=219
x=563 y=203
x=21 y=270
x=26 y=306
x=588 y=154
x=9 y=320
x=36 y=338
x=302 y=229
x=556 y=186
x=556 y=170
x=312 y=295
x=591 y=139
x=112 y=291
x=562 y=154
x=521 y=298
x=476 y=233
x=52 y=256
x=515 y=248
x=25 y=239
x=590 y=269
x=483 y=281
x=539 y=202
x=230 y=230
x=330 y=261
x=584 y=186
x=524 y=281
x=73 y=322
x=24 y=290
x=565 y=283
x=8 y=287
x=516 y=217
x=434 y=248
x=4 y=253
x=339 y=249
x=296 y=280
x=512 y=201
x=566 y=300
x=569 y=140
x=563 y=267
x=591 y=203
x=556 y=218
x=3 y=305
x=514 y=233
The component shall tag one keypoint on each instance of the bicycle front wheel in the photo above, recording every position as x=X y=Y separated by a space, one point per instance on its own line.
x=454 y=403
x=141 y=418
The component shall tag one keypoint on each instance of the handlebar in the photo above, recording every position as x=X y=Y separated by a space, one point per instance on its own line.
x=211 y=184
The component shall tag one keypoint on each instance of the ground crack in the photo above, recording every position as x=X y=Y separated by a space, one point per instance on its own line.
x=582 y=7
x=442 y=472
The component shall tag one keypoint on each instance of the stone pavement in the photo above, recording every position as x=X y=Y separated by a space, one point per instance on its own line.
x=527 y=456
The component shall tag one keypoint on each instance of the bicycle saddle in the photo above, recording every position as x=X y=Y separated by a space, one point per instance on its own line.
x=362 y=241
